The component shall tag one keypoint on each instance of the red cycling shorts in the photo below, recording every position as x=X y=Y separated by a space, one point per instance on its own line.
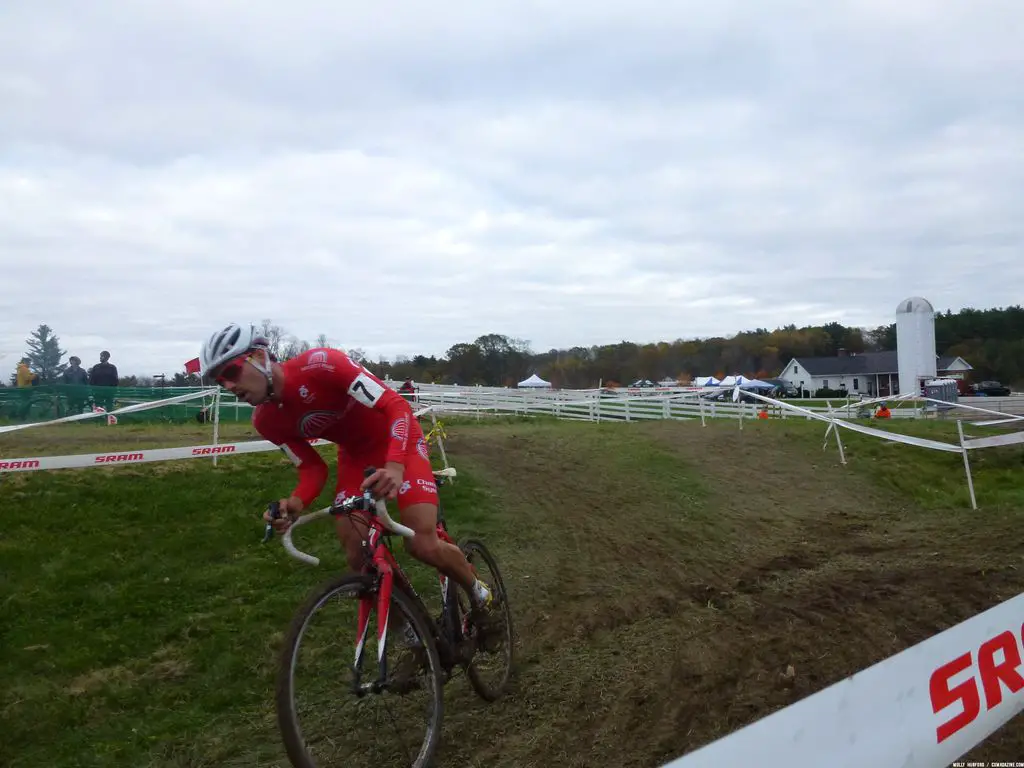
x=418 y=485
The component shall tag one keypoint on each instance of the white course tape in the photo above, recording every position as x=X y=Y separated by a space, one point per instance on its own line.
x=893 y=436
x=924 y=707
x=961 y=404
x=121 y=458
x=144 y=406
x=872 y=401
x=996 y=440
x=896 y=437
x=995 y=422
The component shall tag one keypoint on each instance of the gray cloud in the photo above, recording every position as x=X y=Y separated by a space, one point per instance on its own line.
x=403 y=178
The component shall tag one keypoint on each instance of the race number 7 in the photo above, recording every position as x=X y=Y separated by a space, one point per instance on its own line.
x=365 y=390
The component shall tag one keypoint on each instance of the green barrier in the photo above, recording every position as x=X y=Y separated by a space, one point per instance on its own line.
x=19 y=405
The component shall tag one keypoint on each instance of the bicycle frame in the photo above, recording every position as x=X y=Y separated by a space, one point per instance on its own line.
x=380 y=563
x=383 y=566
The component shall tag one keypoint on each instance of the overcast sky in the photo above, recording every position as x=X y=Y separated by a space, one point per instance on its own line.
x=406 y=176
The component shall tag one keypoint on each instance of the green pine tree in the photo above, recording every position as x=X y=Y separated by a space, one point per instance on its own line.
x=44 y=354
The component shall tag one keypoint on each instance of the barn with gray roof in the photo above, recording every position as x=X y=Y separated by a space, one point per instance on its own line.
x=873 y=374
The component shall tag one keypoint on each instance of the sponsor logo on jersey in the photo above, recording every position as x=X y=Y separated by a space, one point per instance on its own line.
x=317 y=359
x=422 y=449
x=315 y=423
x=400 y=429
x=321 y=366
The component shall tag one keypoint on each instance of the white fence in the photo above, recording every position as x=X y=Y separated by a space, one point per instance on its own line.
x=683 y=403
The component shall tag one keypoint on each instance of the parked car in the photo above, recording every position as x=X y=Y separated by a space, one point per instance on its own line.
x=991 y=389
x=782 y=388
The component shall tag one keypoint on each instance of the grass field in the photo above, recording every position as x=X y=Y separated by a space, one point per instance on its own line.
x=663 y=576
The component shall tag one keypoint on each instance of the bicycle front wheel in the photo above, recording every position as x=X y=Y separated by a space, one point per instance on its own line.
x=333 y=706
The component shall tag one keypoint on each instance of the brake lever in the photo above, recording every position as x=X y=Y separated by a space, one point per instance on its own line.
x=274 y=508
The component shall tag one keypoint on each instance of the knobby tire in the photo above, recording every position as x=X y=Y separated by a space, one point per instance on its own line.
x=469 y=547
x=291 y=732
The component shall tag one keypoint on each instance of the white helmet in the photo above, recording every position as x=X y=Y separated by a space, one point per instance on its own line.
x=227 y=344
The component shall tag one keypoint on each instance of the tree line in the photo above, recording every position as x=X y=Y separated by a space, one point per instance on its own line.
x=991 y=340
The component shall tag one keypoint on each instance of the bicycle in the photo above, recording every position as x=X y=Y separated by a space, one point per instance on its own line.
x=450 y=642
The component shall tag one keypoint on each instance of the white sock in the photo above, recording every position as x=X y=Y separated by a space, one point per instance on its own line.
x=480 y=592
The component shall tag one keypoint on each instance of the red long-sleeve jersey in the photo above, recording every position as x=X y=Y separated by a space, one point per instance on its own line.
x=327 y=395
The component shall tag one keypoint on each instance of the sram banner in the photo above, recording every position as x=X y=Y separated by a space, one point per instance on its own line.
x=924 y=707
x=136 y=457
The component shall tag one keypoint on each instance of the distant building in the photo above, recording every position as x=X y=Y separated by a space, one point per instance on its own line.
x=874 y=374
x=883 y=374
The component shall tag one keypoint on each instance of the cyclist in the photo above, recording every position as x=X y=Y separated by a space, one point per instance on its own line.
x=323 y=393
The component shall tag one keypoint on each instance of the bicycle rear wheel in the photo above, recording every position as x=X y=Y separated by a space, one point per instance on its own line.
x=490 y=670
x=320 y=652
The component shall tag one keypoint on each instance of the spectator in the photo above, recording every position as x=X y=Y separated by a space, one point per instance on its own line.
x=77 y=377
x=24 y=374
x=104 y=374
x=408 y=390
x=25 y=380
x=75 y=374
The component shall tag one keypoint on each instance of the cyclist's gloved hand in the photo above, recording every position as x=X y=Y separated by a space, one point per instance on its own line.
x=288 y=510
x=384 y=483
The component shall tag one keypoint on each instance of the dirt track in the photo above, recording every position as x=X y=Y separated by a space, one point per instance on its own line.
x=652 y=624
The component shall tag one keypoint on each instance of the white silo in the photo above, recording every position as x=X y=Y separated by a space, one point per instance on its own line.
x=915 y=343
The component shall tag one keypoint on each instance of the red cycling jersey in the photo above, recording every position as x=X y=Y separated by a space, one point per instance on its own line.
x=327 y=395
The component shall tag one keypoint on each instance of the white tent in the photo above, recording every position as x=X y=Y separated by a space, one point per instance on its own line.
x=534 y=381
x=705 y=381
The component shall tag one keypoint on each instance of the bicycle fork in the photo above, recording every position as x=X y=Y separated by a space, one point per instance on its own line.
x=366 y=608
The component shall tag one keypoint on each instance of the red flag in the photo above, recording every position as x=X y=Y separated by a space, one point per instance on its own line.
x=192 y=366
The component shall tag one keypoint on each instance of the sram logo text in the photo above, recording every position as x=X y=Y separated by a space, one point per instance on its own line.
x=117 y=457
x=27 y=464
x=996 y=665
x=208 y=450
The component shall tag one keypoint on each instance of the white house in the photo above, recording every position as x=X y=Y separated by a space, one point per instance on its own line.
x=873 y=374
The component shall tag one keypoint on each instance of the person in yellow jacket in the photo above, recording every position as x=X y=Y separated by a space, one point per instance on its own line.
x=24 y=374
x=25 y=377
